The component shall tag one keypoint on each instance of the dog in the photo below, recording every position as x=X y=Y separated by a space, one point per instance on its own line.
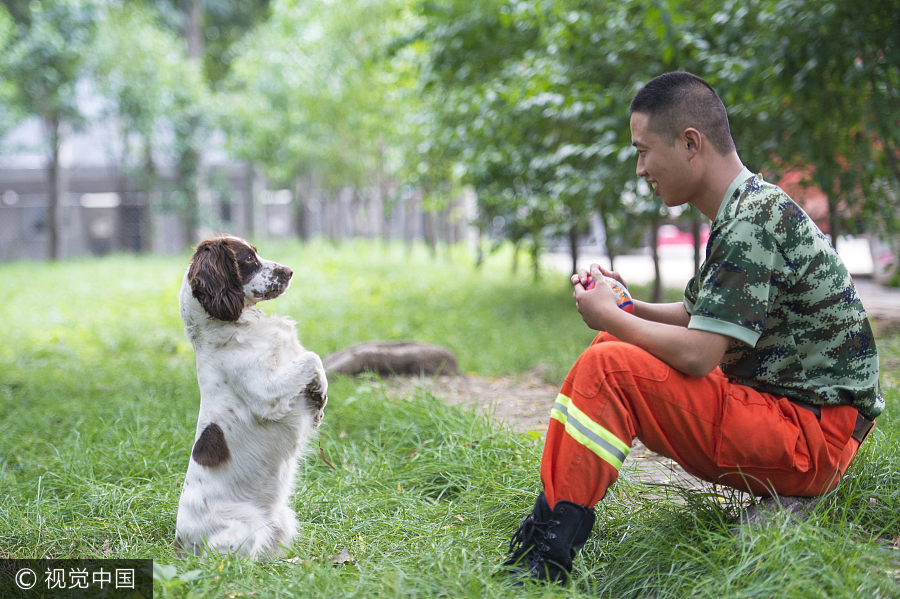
x=262 y=395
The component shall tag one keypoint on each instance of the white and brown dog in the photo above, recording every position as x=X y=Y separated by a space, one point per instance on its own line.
x=261 y=397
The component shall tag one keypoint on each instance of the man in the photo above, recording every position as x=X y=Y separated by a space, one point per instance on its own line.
x=765 y=378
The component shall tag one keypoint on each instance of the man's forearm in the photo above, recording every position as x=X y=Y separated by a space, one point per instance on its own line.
x=693 y=352
x=673 y=313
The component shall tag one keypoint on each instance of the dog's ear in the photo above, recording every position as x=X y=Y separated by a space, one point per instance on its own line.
x=215 y=280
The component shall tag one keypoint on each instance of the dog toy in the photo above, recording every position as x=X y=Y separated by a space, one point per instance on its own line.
x=623 y=298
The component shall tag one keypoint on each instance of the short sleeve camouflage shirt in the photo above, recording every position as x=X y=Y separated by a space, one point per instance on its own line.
x=775 y=285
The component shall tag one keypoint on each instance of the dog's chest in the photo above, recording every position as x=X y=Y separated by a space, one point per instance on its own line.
x=250 y=352
x=282 y=336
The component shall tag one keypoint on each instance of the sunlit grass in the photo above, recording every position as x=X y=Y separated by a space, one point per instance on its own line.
x=98 y=403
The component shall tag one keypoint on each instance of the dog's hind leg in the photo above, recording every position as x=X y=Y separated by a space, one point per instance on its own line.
x=244 y=532
x=284 y=527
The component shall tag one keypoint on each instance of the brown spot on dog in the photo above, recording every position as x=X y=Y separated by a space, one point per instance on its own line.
x=211 y=450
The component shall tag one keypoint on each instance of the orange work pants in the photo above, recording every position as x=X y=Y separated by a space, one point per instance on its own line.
x=717 y=430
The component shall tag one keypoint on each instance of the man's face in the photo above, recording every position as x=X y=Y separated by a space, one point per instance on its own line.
x=663 y=166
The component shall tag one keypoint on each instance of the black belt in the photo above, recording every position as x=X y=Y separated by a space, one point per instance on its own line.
x=860 y=431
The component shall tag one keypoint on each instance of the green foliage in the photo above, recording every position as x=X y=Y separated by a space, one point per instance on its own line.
x=223 y=24
x=8 y=114
x=44 y=61
x=98 y=405
x=816 y=89
x=533 y=101
x=313 y=91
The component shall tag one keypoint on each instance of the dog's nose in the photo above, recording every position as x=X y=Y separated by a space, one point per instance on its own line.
x=288 y=272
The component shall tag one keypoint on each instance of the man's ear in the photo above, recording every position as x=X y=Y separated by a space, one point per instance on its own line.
x=692 y=141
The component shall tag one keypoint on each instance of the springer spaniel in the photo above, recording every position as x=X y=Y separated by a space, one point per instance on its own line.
x=261 y=397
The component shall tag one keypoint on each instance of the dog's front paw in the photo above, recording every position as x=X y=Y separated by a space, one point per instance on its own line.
x=316 y=397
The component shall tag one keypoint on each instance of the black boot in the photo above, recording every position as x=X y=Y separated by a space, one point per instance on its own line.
x=546 y=542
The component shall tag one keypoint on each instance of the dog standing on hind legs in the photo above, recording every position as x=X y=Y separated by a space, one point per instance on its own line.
x=261 y=397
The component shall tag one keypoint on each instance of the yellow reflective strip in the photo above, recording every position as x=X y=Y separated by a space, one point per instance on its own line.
x=580 y=427
x=598 y=430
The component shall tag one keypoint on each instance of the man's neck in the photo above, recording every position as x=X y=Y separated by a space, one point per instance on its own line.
x=719 y=175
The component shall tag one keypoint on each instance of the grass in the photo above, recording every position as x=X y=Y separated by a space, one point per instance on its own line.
x=98 y=403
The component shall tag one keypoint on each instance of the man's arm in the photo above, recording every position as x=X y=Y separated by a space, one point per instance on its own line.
x=659 y=329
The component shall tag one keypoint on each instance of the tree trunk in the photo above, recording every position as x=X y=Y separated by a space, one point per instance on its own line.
x=515 y=262
x=535 y=260
x=301 y=208
x=389 y=358
x=188 y=184
x=148 y=187
x=193 y=32
x=380 y=209
x=125 y=228
x=834 y=221
x=53 y=246
x=573 y=248
x=479 y=251
x=189 y=158
x=657 y=294
x=608 y=241
x=410 y=205
x=431 y=233
x=250 y=202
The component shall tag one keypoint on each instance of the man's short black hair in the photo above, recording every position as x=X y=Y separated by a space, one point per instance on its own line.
x=678 y=100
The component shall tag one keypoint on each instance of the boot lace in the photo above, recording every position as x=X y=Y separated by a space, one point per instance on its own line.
x=531 y=540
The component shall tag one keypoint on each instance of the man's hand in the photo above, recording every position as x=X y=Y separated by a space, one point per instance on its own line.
x=594 y=304
x=583 y=275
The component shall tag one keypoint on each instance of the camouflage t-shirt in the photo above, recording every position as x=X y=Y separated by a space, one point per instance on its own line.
x=775 y=285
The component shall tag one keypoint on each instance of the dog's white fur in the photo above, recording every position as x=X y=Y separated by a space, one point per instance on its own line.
x=261 y=397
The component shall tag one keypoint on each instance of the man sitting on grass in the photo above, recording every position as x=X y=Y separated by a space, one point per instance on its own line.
x=764 y=379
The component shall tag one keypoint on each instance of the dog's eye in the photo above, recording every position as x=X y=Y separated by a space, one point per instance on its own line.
x=250 y=260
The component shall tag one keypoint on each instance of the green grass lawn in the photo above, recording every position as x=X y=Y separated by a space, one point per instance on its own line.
x=99 y=400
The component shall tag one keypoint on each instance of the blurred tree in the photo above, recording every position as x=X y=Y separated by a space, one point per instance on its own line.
x=19 y=10
x=316 y=98
x=139 y=69
x=43 y=65
x=211 y=28
x=8 y=113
